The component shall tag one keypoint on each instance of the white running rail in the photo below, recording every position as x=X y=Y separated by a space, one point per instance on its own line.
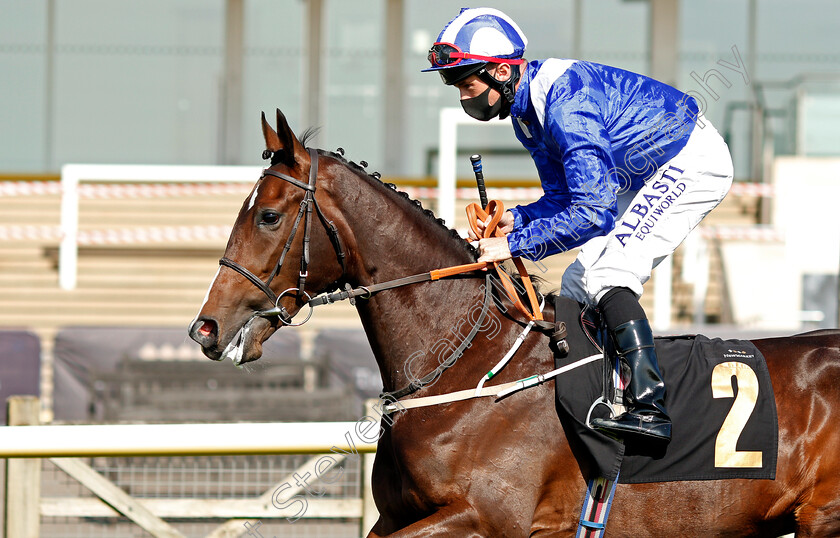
x=72 y=175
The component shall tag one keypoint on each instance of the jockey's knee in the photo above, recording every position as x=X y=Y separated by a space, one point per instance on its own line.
x=620 y=305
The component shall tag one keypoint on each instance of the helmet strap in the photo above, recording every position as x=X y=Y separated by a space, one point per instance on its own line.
x=507 y=88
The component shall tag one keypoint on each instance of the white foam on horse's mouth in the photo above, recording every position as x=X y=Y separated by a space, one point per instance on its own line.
x=236 y=348
x=233 y=352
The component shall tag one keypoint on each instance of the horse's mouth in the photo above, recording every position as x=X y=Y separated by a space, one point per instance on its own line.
x=246 y=344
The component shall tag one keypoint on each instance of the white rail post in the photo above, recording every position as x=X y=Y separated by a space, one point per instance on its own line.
x=662 y=295
x=450 y=119
x=370 y=514
x=68 y=250
x=72 y=175
x=23 y=476
x=447 y=167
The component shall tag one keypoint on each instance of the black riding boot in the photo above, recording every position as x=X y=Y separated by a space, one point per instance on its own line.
x=645 y=395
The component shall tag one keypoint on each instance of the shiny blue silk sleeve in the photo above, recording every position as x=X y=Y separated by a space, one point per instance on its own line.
x=580 y=195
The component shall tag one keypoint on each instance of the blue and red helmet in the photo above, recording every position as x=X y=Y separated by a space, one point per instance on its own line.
x=476 y=37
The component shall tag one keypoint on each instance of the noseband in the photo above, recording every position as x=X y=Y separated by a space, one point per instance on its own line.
x=305 y=214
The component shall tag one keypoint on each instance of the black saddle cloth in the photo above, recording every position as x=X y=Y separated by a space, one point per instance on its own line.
x=719 y=397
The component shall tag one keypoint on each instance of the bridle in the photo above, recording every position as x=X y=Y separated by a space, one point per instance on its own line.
x=365 y=292
x=305 y=214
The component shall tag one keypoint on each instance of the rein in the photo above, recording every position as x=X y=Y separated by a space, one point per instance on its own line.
x=495 y=209
x=429 y=378
x=309 y=202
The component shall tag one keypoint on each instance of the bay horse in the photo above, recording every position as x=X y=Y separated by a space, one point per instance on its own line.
x=479 y=467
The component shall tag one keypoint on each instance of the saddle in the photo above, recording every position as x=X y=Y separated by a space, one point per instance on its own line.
x=712 y=437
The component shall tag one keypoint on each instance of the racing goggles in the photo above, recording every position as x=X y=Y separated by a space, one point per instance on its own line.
x=448 y=55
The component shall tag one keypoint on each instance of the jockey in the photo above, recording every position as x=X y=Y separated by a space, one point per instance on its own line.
x=628 y=166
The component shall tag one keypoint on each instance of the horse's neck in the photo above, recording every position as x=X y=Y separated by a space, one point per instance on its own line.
x=409 y=328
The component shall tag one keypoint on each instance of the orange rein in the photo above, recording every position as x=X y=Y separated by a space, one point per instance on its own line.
x=476 y=214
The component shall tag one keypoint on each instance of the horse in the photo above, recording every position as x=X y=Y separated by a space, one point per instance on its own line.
x=479 y=467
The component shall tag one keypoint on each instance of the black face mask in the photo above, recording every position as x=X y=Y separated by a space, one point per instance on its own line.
x=479 y=106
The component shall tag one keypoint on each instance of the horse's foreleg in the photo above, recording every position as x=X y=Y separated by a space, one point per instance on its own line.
x=818 y=521
x=819 y=515
x=454 y=520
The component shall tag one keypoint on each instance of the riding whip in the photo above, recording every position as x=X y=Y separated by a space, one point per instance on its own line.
x=479 y=178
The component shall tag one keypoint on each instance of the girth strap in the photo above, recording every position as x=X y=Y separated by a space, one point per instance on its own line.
x=596 y=507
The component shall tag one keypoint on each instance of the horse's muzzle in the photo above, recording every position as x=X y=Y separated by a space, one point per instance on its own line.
x=205 y=332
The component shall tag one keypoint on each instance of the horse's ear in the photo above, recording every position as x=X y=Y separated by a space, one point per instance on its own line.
x=272 y=141
x=282 y=145
x=294 y=152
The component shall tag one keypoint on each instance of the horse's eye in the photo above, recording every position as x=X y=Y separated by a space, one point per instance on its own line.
x=270 y=217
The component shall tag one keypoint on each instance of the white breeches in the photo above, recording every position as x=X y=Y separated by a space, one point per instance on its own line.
x=654 y=220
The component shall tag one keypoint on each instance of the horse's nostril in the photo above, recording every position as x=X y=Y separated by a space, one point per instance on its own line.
x=206 y=328
x=204 y=331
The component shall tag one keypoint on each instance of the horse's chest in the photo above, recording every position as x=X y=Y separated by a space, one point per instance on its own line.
x=453 y=445
x=422 y=441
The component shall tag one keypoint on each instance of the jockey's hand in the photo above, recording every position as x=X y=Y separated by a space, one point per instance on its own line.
x=505 y=225
x=493 y=249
